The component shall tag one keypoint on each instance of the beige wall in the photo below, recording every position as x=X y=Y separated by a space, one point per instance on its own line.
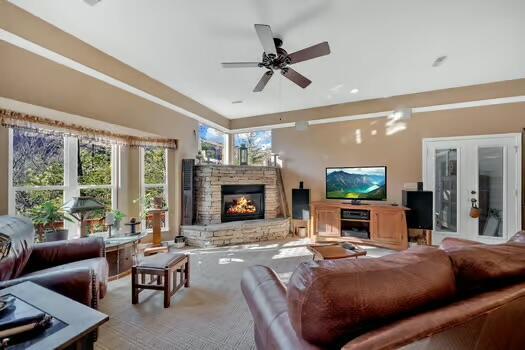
x=306 y=154
x=29 y=78
x=23 y=24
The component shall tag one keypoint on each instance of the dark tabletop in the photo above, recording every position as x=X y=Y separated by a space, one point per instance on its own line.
x=79 y=319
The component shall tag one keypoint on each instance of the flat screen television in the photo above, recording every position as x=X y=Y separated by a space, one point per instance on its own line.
x=356 y=183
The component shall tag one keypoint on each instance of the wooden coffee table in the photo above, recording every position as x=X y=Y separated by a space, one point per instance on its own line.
x=334 y=250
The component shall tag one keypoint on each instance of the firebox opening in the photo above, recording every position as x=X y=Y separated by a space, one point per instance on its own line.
x=242 y=202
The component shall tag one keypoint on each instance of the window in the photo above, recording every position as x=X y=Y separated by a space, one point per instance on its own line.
x=94 y=179
x=154 y=181
x=259 y=144
x=212 y=144
x=37 y=171
x=56 y=168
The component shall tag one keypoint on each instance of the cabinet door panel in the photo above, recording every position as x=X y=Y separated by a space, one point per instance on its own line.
x=389 y=226
x=328 y=222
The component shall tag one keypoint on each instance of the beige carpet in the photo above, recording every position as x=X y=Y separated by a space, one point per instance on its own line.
x=211 y=314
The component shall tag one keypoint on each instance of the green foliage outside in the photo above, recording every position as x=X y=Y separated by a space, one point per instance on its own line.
x=154 y=165
x=258 y=152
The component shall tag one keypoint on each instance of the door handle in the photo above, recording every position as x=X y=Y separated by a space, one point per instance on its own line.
x=474 y=210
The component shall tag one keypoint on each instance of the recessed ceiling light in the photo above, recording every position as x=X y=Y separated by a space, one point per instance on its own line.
x=92 y=2
x=439 y=61
x=237 y=102
x=354 y=91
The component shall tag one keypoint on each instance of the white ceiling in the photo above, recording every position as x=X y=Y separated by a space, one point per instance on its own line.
x=382 y=47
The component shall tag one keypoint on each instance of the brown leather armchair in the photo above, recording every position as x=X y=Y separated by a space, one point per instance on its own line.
x=75 y=268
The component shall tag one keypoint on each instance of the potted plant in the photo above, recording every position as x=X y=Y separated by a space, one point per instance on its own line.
x=47 y=219
x=119 y=216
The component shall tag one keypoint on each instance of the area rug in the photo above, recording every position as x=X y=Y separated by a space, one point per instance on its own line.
x=212 y=314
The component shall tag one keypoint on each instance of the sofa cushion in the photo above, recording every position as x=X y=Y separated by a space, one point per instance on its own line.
x=331 y=301
x=484 y=266
x=22 y=234
x=518 y=238
x=98 y=265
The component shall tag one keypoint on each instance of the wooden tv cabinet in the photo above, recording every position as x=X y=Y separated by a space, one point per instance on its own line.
x=386 y=225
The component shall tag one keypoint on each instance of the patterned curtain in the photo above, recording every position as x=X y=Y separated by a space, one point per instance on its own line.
x=12 y=119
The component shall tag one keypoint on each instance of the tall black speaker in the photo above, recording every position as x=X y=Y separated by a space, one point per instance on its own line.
x=300 y=204
x=420 y=214
x=188 y=214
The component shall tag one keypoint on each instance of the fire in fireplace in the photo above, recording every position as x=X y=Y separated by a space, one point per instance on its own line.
x=242 y=202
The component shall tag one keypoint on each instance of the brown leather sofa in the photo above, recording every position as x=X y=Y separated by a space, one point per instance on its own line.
x=464 y=295
x=74 y=268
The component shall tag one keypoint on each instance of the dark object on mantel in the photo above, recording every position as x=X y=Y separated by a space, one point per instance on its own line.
x=77 y=268
x=188 y=212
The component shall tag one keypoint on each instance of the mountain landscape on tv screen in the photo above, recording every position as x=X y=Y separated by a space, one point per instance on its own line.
x=341 y=184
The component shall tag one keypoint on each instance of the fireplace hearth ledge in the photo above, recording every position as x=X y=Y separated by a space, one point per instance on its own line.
x=236 y=232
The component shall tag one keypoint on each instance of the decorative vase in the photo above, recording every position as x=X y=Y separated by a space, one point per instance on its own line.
x=180 y=241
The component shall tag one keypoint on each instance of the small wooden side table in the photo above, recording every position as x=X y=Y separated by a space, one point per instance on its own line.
x=335 y=250
x=162 y=270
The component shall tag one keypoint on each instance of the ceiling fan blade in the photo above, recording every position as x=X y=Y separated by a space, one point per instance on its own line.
x=264 y=80
x=297 y=78
x=264 y=32
x=315 y=51
x=240 y=64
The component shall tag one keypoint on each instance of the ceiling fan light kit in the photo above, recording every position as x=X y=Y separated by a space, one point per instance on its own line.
x=276 y=58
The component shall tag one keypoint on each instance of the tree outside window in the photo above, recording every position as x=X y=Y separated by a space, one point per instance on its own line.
x=154 y=181
x=40 y=164
x=259 y=144
x=37 y=170
x=212 y=144
x=94 y=179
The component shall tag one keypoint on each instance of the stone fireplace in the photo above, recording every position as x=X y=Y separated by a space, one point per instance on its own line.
x=242 y=202
x=236 y=204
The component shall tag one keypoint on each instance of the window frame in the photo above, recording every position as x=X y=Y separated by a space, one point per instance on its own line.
x=144 y=186
x=70 y=187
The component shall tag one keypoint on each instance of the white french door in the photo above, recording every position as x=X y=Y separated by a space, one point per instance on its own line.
x=482 y=172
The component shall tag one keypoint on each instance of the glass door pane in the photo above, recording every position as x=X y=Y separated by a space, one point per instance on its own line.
x=491 y=191
x=446 y=194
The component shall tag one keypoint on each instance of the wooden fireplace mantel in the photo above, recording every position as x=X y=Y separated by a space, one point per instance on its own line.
x=386 y=224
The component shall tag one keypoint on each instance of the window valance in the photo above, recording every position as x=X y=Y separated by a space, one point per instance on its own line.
x=12 y=119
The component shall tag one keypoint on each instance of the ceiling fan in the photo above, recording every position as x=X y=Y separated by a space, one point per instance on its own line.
x=275 y=58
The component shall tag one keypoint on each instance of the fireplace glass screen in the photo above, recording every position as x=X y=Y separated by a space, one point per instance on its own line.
x=242 y=202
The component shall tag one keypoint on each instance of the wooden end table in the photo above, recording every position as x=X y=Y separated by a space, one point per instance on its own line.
x=333 y=251
x=79 y=321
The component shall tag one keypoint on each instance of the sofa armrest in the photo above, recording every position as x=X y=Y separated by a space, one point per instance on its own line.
x=518 y=238
x=265 y=295
x=51 y=254
x=451 y=242
x=75 y=283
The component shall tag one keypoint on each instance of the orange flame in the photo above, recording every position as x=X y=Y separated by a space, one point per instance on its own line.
x=242 y=206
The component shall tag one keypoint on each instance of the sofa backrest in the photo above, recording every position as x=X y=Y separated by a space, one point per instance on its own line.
x=484 y=266
x=331 y=301
x=22 y=234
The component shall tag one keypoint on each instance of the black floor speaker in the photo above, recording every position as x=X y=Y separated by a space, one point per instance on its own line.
x=301 y=204
x=420 y=214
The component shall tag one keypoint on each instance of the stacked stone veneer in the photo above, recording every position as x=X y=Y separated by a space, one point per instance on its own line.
x=208 y=230
x=208 y=180
x=238 y=232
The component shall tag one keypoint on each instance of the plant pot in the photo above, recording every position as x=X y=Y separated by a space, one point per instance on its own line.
x=58 y=235
x=180 y=241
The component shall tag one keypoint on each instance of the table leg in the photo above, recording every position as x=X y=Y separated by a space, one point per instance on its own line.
x=134 y=289
x=167 y=286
